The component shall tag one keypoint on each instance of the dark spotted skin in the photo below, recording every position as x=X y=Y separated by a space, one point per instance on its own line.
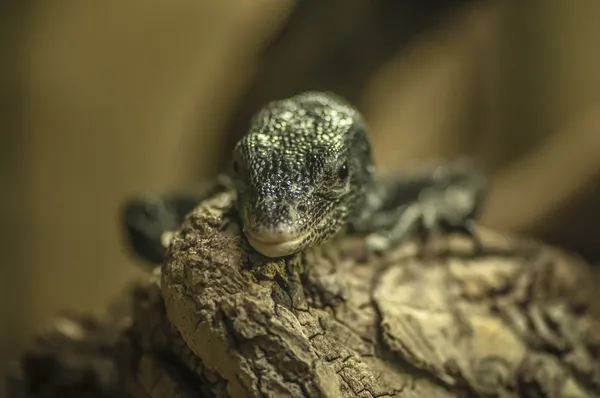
x=304 y=173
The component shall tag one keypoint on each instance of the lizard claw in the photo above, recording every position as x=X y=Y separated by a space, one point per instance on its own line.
x=377 y=243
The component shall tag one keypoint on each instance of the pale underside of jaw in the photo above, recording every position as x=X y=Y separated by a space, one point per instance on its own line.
x=276 y=248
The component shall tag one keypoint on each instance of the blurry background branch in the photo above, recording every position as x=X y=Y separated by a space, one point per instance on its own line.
x=124 y=96
x=333 y=46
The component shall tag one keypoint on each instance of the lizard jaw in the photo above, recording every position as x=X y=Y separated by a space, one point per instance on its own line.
x=276 y=247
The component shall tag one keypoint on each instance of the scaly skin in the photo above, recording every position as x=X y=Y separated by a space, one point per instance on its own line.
x=304 y=173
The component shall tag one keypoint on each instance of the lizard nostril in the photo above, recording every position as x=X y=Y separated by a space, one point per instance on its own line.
x=301 y=208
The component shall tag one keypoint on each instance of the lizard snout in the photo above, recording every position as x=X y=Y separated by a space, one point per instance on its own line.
x=277 y=241
x=277 y=234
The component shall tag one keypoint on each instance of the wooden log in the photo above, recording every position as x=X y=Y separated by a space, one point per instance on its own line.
x=518 y=319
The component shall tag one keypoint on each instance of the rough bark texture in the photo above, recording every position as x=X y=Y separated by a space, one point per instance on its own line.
x=422 y=321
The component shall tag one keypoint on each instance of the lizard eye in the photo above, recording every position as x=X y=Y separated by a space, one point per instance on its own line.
x=342 y=173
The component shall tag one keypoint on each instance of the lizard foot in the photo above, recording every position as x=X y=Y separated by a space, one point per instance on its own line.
x=436 y=212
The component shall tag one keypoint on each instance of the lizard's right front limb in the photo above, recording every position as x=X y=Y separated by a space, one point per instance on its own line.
x=148 y=218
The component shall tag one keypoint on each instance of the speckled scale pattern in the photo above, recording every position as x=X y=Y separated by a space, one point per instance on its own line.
x=289 y=162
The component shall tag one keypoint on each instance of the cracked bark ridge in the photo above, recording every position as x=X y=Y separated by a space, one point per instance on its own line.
x=435 y=321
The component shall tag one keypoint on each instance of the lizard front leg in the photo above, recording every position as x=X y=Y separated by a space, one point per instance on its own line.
x=148 y=218
x=431 y=200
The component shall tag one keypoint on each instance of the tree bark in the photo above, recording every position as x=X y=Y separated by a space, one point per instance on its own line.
x=517 y=319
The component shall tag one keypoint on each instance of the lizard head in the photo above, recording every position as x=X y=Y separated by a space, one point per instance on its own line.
x=302 y=171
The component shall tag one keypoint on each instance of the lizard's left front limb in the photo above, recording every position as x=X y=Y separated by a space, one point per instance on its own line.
x=430 y=200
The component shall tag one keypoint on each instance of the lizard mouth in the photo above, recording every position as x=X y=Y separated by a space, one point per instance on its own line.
x=275 y=245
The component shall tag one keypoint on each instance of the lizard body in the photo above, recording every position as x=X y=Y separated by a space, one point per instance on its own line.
x=304 y=173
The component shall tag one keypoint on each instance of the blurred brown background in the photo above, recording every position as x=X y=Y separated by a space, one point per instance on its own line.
x=109 y=97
